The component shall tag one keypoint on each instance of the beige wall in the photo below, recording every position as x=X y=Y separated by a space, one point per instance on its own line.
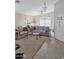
x=59 y=25
x=21 y=19
x=30 y=19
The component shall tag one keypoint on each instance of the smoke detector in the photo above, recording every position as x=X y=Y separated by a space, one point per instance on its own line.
x=17 y=1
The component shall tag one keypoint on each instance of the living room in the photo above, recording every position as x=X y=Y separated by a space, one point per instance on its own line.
x=35 y=28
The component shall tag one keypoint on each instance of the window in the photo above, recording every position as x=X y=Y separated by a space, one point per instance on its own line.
x=45 y=21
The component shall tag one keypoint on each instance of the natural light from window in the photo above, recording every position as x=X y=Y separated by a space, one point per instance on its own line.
x=45 y=22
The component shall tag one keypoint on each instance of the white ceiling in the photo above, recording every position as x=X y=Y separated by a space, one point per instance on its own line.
x=33 y=7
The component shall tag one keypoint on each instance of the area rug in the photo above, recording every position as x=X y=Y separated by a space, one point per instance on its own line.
x=29 y=46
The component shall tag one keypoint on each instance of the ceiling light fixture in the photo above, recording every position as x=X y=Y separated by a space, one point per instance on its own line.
x=44 y=8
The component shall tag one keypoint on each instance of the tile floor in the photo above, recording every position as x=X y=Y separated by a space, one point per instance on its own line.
x=50 y=49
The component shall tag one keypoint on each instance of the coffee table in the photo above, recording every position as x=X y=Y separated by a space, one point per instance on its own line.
x=36 y=34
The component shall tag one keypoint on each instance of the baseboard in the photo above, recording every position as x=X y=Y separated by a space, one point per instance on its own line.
x=59 y=40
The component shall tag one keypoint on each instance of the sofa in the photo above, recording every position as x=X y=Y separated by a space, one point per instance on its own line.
x=22 y=31
x=44 y=31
